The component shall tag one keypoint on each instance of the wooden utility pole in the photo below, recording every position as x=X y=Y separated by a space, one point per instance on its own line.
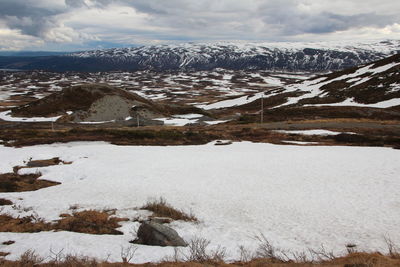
x=262 y=107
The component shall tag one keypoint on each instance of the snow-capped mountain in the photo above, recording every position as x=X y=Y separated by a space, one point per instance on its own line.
x=271 y=56
x=315 y=57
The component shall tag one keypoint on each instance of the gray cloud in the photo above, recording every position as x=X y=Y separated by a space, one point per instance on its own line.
x=26 y=16
x=158 y=20
x=75 y=3
x=292 y=20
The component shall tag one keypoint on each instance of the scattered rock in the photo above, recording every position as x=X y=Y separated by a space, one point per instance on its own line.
x=156 y=234
x=223 y=143
x=7 y=243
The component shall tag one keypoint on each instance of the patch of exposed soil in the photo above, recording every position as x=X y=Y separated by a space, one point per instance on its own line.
x=89 y=222
x=14 y=182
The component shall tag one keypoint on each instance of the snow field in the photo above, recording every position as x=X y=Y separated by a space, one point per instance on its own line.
x=299 y=197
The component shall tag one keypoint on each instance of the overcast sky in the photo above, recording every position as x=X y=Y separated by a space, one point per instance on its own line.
x=88 y=24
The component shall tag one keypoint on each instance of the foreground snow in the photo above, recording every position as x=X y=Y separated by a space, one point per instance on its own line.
x=298 y=197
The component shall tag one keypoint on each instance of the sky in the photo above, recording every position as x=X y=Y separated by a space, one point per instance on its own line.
x=71 y=25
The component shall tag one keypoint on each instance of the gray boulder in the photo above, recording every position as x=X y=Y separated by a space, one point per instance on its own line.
x=155 y=234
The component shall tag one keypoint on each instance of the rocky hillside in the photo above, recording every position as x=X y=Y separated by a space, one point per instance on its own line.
x=373 y=85
x=93 y=103
x=315 y=57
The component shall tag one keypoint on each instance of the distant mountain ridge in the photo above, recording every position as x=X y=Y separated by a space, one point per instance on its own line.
x=31 y=53
x=306 y=57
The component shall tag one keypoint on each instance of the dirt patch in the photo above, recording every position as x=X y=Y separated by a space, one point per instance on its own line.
x=28 y=224
x=90 y=222
x=5 y=202
x=14 y=182
x=41 y=163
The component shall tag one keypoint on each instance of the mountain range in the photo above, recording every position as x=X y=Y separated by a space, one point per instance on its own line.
x=290 y=57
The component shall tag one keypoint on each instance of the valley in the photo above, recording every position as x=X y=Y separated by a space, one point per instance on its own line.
x=306 y=162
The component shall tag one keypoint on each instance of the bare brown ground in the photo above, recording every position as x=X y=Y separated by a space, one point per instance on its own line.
x=14 y=182
x=369 y=133
x=88 y=221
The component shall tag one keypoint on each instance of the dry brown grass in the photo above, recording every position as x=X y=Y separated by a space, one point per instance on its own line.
x=14 y=182
x=161 y=208
x=40 y=163
x=90 y=222
x=28 y=224
x=353 y=260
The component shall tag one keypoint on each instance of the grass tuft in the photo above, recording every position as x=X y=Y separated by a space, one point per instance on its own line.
x=161 y=208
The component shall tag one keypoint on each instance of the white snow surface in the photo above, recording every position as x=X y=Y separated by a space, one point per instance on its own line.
x=350 y=102
x=6 y=116
x=299 y=197
x=309 y=132
x=232 y=102
x=177 y=121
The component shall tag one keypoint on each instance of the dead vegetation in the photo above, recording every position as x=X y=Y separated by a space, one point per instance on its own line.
x=14 y=182
x=89 y=222
x=161 y=208
x=41 y=163
x=372 y=132
x=27 y=224
x=199 y=254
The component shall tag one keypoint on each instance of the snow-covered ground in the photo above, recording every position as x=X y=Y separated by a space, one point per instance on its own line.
x=6 y=115
x=311 y=132
x=299 y=197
